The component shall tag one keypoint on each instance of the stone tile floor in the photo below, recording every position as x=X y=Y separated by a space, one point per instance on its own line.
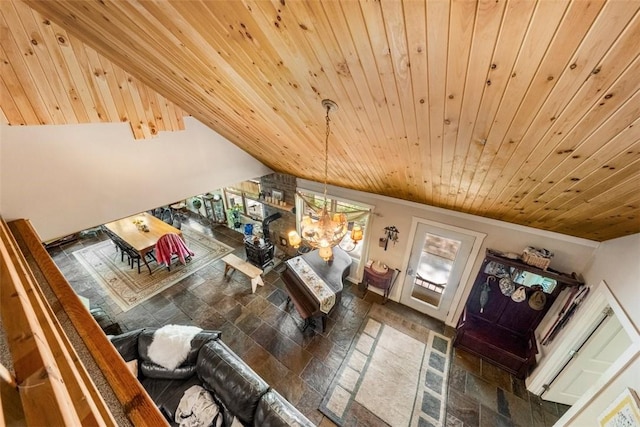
x=262 y=330
x=481 y=394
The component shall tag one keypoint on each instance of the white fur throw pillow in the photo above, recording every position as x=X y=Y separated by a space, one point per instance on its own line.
x=171 y=344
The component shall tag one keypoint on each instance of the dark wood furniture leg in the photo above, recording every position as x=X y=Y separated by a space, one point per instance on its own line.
x=144 y=258
x=305 y=313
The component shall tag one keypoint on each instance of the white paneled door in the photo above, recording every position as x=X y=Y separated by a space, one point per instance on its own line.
x=589 y=362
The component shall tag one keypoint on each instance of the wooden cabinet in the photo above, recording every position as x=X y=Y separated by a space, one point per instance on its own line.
x=214 y=208
x=496 y=327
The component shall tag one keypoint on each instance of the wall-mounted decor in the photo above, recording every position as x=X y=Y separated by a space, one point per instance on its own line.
x=277 y=195
x=390 y=234
x=623 y=412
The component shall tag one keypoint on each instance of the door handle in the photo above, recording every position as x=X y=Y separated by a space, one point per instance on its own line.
x=410 y=272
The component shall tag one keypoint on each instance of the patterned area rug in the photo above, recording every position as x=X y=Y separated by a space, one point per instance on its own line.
x=127 y=287
x=399 y=378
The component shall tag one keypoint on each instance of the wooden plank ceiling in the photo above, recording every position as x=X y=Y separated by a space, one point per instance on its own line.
x=518 y=110
x=50 y=77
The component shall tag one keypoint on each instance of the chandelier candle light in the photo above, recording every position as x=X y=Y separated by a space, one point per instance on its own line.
x=329 y=228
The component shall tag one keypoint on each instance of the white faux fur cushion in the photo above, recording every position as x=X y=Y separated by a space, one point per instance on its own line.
x=171 y=344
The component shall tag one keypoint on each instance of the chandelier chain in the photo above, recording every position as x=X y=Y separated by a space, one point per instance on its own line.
x=323 y=229
x=326 y=154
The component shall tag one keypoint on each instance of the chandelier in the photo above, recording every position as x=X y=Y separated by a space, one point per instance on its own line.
x=324 y=229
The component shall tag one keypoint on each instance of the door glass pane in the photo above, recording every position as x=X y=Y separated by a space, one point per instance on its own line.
x=434 y=268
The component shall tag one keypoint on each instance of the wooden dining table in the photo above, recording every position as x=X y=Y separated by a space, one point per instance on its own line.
x=141 y=241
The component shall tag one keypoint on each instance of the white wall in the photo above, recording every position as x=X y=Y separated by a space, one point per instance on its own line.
x=617 y=262
x=67 y=178
x=571 y=254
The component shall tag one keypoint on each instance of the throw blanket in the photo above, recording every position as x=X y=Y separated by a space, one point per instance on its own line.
x=170 y=244
x=197 y=408
x=171 y=344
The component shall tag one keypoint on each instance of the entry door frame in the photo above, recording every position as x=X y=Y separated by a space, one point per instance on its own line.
x=465 y=282
x=581 y=325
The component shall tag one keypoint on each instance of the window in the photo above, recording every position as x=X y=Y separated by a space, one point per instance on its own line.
x=358 y=214
x=234 y=198
x=254 y=209
x=244 y=196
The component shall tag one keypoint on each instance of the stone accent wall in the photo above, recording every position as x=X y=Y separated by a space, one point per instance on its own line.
x=279 y=229
x=282 y=182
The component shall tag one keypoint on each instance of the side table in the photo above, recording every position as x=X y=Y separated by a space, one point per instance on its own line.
x=379 y=280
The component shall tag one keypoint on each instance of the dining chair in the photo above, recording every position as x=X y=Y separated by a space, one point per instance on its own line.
x=134 y=257
x=169 y=246
x=118 y=243
x=167 y=216
x=125 y=249
x=177 y=222
x=179 y=210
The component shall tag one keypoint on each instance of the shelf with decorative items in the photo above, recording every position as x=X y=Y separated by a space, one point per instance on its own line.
x=515 y=261
x=278 y=204
x=283 y=206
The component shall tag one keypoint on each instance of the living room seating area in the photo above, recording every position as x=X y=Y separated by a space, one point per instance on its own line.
x=235 y=387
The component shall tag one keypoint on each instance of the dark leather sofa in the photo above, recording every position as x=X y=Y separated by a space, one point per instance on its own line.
x=212 y=365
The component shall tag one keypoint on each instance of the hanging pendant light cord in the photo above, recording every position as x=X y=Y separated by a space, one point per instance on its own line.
x=326 y=156
x=324 y=229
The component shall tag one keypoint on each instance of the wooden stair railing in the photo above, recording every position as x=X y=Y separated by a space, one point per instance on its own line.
x=11 y=412
x=46 y=375
x=54 y=386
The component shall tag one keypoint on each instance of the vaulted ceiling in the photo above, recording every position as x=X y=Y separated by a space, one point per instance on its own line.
x=523 y=111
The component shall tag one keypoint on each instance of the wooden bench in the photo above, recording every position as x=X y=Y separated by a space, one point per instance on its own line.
x=244 y=267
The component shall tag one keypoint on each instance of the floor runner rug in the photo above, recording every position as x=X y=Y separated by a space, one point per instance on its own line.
x=398 y=378
x=127 y=287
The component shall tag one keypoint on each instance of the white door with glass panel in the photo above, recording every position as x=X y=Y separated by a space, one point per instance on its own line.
x=438 y=258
